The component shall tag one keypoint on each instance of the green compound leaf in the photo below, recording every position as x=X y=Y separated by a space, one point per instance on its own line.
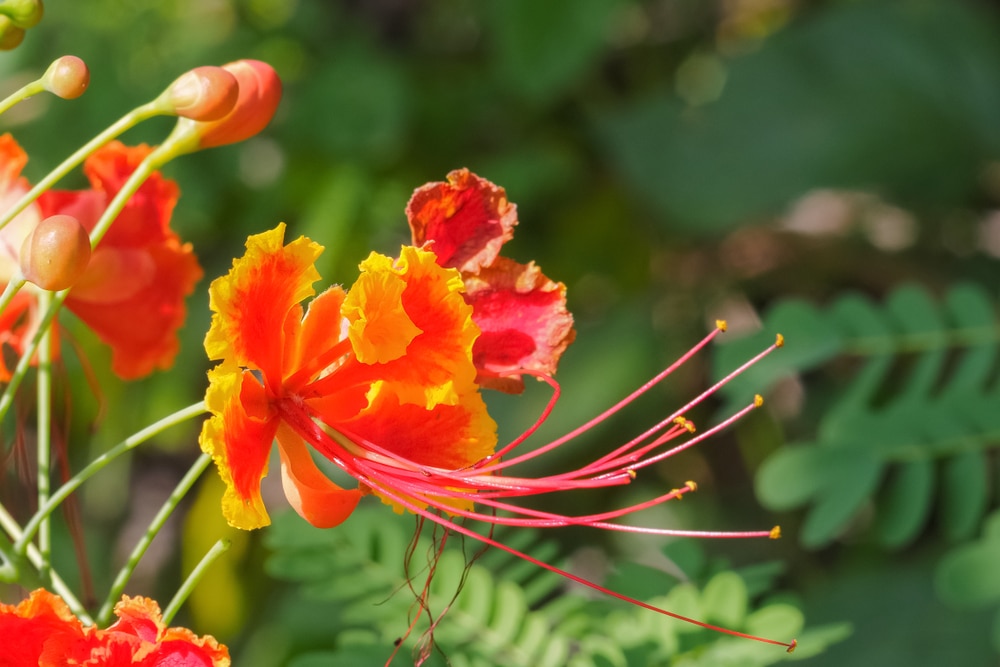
x=911 y=419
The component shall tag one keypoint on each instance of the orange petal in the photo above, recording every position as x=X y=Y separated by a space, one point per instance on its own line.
x=466 y=220
x=524 y=323
x=310 y=493
x=446 y=436
x=256 y=303
x=12 y=186
x=238 y=437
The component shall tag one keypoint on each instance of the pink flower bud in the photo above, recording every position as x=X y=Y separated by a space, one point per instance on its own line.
x=56 y=253
x=204 y=93
x=67 y=77
x=10 y=35
x=260 y=92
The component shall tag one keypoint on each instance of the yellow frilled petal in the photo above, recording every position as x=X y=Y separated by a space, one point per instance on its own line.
x=255 y=302
x=428 y=319
x=238 y=442
x=380 y=328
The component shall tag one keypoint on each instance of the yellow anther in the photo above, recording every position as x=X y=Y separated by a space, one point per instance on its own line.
x=685 y=424
x=779 y=341
x=721 y=325
x=775 y=533
x=691 y=485
x=758 y=400
x=631 y=473
x=791 y=647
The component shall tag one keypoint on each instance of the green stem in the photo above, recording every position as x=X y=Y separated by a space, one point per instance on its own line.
x=184 y=591
x=22 y=94
x=9 y=524
x=126 y=122
x=10 y=291
x=104 y=615
x=44 y=437
x=100 y=462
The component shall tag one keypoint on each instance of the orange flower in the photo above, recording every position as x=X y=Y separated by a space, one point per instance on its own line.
x=387 y=364
x=521 y=313
x=382 y=382
x=41 y=631
x=132 y=292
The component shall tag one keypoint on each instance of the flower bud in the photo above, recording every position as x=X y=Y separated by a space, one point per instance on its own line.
x=259 y=95
x=67 y=77
x=10 y=35
x=204 y=94
x=23 y=13
x=56 y=253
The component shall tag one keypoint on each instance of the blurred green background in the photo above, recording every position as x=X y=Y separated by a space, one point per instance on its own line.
x=829 y=169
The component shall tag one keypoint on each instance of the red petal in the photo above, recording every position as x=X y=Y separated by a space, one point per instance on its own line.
x=524 y=323
x=466 y=219
x=132 y=294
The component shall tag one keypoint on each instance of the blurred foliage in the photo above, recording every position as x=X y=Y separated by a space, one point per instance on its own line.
x=829 y=169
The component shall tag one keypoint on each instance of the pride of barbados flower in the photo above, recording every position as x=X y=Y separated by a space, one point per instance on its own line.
x=130 y=290
x=41 y=631
x=384 y=380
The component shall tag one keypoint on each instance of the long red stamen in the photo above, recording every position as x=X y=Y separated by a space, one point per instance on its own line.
x=427 y=491
x=449 y=525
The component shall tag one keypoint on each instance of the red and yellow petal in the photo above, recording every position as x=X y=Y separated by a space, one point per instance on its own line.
x=465 y=220
x=256 y=303
x=437 y=365
x=238 y=437
x=311 y=493
x=524 y=322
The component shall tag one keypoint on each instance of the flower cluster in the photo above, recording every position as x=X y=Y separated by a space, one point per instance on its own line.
x=49 y=635
x=131 y=292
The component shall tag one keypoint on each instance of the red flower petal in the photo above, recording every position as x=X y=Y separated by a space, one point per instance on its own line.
x=523 y=319
x=132 y=294
x=466 y=220
x=27 y=627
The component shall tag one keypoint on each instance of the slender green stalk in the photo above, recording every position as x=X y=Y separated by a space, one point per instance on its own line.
x=9 y=524
x=44 y=437
x=21 y=95
x=10 y=291
x=99 y=463
x=181 y=596
x=24 y=363
x=104 y=615
x=126 y=122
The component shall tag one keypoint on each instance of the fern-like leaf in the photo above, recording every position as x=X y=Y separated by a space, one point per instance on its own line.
x=912 y=426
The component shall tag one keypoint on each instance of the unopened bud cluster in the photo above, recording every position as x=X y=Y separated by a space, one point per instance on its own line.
x=16 y=16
